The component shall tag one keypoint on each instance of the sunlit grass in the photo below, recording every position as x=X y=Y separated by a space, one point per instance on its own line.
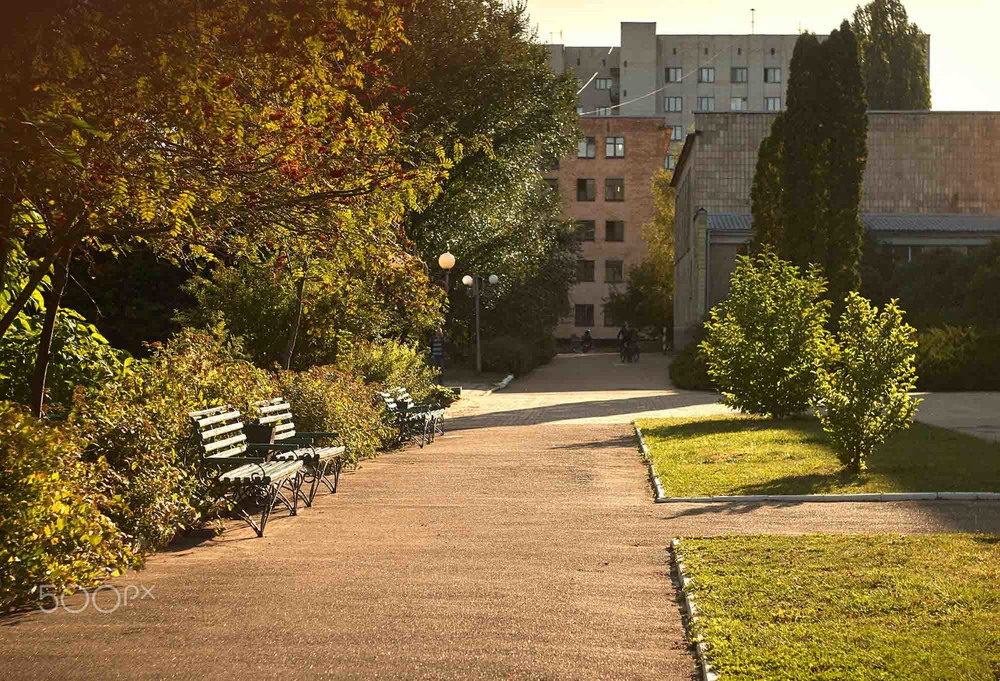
x=735 y=455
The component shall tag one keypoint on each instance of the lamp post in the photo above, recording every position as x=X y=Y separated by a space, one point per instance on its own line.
x=474 y=280
x=446 y=261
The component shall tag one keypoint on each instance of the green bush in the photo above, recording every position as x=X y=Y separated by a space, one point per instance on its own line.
x=391 y=364
x=862 y=392
x=324 y=399
x=688 y=370
x=139 y=426
x=51 y=529
x=958 y=358
x=81 y=356
x=511 y=355
x=762 y=342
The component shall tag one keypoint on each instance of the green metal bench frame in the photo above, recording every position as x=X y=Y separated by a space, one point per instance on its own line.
x=417 y=426
x=434 y=410
x=242 y=476
x=322 y=463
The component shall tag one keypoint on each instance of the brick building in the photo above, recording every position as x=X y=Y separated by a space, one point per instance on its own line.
x=606 y=187
x=932 y=181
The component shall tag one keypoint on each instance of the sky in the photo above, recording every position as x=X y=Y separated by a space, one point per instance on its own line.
x=965 y=34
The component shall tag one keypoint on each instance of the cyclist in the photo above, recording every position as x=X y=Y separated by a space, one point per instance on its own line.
x=624 y=338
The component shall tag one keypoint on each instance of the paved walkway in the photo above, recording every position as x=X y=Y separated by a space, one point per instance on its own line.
x=522 y=545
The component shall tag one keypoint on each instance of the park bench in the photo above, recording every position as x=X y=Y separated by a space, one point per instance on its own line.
x=322 y=463
x=416 y=425
x=241 y=475
x=436 y=411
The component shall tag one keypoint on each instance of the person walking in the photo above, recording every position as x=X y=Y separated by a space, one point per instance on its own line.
x=438 y=341
x=624 y=336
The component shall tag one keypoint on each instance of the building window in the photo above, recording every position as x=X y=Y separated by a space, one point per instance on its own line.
x=739 y=51
x=602 y=111
x=586 y=148
x=584 y=315
x=706 y=74
x=585 y=230
x=772 y=104
x=675 y=74
x=675 y=50
x=670 y=162
x=772 y=74
x=602 y=84
x=706 y=104
x=614 y=230
x=677 y=133
x=585 y=270
x=674 y=104
x=738 y=74
x=614 y=147
x=614 y=271
x=553 y=183
x=609 y=318
x=706 y=51
x=586 y=190
x=614 y=189
x=772 y=51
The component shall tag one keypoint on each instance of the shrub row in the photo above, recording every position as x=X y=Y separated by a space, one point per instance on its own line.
x=88 y=496
x=958 y=358
x=510 y=355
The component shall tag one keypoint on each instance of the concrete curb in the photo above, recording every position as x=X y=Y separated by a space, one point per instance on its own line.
x=691 y=611
x=500 y=386
x=825 y=498
x=658 y=495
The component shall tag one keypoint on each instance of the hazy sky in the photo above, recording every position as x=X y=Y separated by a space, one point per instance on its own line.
x=965 y=34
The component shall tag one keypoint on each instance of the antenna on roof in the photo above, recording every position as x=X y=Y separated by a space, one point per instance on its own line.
x=752 y=20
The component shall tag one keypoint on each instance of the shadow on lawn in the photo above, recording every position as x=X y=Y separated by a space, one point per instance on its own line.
x=922 y=458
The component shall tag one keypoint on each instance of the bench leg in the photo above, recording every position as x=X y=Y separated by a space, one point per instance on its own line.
x=325 y=479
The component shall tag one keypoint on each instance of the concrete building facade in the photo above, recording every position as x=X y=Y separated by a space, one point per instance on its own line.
x=606 y=187
x=932 y=181
x=674 y=76
x=646 y=92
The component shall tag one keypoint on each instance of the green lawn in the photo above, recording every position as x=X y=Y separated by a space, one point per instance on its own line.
x=730 y=455
x=852 y=608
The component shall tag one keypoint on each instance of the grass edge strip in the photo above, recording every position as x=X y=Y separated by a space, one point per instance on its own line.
x=816 y=498
x=690 y=610
x=647 y=457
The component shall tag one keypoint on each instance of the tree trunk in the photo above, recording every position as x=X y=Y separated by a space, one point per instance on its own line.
x=29 y=288
x=293 y=334
x=52 y=301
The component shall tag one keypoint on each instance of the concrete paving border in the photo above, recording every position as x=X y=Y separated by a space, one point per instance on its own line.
x=660 y=497
x=691 y=612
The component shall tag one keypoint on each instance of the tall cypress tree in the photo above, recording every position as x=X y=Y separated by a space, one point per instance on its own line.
x=804 y=201
x=765 y=194
x=893 y=53
x=846 y=128
x=807 y=187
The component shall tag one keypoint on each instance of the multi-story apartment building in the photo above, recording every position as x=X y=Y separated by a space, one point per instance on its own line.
x=637 y=104
x=606 y=188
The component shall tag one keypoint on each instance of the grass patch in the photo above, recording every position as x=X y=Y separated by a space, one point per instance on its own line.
x=729 y=455
x=848 y=607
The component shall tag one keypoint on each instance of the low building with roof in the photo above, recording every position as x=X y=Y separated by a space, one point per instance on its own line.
x=932 y=181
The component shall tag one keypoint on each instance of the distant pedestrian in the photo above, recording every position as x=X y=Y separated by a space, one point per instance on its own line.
x=438 y=341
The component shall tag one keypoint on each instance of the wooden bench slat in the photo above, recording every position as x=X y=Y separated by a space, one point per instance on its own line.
x=281 y=406
x=222 y=444
x=234 y=451
x=205 y=412
x=264 y=420
x=212 y=420
x=221 y=430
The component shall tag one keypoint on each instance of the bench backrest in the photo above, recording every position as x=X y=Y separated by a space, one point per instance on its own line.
x=404 y=398
x=219 y=431
x=277 y=413
x=391 y=403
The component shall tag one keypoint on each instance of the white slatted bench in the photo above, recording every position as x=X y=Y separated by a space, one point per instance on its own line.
x=244 y=477
x=322 y=463
x=415 y=426
x=433 y=410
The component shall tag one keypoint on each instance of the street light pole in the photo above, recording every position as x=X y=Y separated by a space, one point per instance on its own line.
x=479 y=350
x=473 y=280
